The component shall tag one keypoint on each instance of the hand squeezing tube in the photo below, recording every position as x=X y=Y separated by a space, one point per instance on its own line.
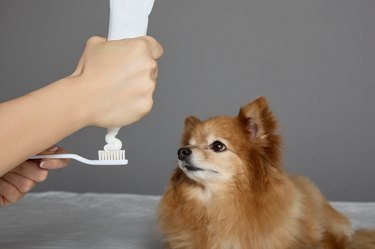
x=128 y=19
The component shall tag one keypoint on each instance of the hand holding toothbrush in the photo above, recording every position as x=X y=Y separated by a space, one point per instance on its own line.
x=20 y=180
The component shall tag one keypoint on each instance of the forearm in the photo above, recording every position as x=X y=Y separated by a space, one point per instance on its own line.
x=32 y=123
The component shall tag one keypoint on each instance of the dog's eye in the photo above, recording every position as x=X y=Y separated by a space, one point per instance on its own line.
x=218 y=146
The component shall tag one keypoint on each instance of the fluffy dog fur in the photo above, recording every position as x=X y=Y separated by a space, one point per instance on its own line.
x=235 y=195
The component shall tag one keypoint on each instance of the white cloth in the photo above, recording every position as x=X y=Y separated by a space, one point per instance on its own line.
x=60 y=220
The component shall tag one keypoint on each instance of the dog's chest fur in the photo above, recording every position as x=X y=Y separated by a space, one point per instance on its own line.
x=229 y=222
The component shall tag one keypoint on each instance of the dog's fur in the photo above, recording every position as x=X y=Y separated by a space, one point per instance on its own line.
x=240 y=198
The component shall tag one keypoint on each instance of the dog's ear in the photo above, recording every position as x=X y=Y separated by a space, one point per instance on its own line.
x=258 y=119
x=190 y=123
x=260 y=124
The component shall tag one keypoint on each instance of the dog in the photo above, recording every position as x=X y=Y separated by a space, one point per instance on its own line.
x=230 y=191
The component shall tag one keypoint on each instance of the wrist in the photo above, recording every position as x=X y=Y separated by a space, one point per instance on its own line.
x=67 y=103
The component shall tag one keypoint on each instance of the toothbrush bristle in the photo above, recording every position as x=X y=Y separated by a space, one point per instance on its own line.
x=106 y=155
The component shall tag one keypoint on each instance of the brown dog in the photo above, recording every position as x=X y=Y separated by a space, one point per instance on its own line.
x=230 y=191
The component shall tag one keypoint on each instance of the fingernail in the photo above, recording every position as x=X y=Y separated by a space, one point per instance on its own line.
x=44 y=164
x=52 y=148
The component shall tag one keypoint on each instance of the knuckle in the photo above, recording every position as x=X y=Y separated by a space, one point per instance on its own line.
x=42 y=176
x=154 y=74
x=26 y=186
x=22 y=183
x=141 y=44
x=147 y=106
x=149 y=67
x=150 y=39
x=151 y=64
x=8 y=192
x=94 y=40
x=91 y=40
x=155 y=46
x=148 y=87
x=12 y=197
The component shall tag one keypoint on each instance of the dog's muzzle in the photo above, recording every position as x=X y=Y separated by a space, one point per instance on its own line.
x=184 y=156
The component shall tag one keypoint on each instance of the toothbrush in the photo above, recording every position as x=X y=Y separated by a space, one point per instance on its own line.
x=128 y=19
x=113 y=161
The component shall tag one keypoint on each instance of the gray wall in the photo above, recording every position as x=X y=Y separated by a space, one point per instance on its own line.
x=313 y=60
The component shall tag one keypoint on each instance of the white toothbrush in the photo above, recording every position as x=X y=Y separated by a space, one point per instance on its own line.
x=128 y=19
x=114 y=159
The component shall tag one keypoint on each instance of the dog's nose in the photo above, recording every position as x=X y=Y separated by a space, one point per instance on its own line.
x=183 y=153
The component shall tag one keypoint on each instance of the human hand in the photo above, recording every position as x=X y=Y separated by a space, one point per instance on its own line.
x=17 y=182
x=116 y=80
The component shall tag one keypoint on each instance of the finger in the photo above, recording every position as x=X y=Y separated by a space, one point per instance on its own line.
x=9 y=192
x=53 y=163
x=22 y=183
x=155 y=47
x=51 y=150
x=31 y=170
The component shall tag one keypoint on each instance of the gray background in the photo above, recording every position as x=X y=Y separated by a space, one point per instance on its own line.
x=313 y=60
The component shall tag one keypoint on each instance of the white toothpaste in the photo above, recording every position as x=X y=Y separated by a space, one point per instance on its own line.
x=113 y=143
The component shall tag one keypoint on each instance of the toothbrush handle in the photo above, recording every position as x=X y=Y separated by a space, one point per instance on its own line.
x=53 y=156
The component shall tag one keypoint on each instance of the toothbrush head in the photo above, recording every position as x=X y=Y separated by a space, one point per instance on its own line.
x=111 y=155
